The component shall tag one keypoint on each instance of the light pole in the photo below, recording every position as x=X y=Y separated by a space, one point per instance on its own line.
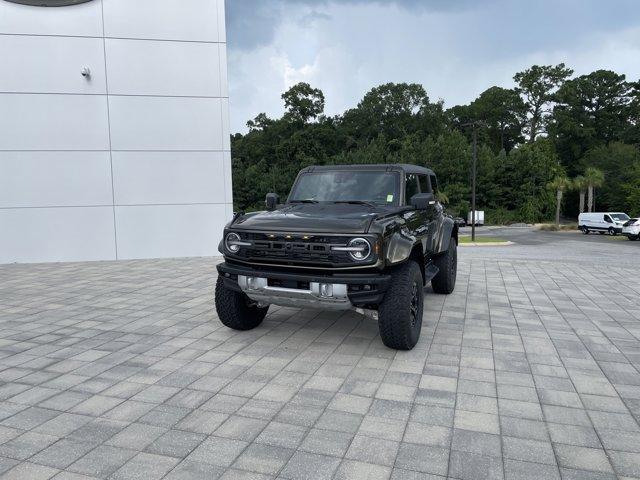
x=474 y=174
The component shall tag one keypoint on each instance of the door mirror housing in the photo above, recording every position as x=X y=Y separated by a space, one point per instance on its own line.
x=422 y=201
x=271 y=201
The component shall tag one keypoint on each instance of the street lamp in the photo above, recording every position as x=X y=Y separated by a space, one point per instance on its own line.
x=474 y=174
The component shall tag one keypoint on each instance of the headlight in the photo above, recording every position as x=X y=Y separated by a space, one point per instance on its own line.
x=359 y=249
x=233 y=242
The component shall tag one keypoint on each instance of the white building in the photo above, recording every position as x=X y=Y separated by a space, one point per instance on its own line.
x=114 y=129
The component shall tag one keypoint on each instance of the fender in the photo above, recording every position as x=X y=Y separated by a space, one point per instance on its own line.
x=449 y=230
x=399 y=246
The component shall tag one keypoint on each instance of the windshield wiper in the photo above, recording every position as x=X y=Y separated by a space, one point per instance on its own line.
x=306 y=200
x=357 y=202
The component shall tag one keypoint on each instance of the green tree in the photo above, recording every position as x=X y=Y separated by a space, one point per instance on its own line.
x=559 y=185
x=616 y=161
x=260 y=122
x=503 y=114
x=631 y=189
x=580 y=184
x=594 y=179
x=303 y=102
x=395 y=110
x=537 y=85
x=591 y=110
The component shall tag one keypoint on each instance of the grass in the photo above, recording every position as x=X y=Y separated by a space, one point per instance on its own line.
x=552 y=227
x=480 y=239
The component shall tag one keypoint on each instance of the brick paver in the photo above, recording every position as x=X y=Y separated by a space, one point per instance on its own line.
x=529 y=370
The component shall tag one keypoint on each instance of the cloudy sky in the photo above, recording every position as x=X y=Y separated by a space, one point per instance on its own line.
x=455 y=48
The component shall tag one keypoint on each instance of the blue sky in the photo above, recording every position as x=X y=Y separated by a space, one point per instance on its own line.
x=455 y=48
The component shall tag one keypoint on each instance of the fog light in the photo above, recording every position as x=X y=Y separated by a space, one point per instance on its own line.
x=326 y=290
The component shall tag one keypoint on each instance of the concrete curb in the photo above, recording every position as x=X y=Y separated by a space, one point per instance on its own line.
x=485 y=244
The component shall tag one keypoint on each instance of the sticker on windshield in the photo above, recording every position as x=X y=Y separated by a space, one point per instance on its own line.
x=389 y=198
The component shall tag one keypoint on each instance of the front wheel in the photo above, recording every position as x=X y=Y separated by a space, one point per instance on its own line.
x=612 y=231
x=633 y=238
x=447 y=263
x=400 y=313
x=236 y=310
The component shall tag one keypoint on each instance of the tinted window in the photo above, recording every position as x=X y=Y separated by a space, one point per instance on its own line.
x=620 y=216
x=49 y=3
x=607 y=219
x=434 y=183
x=411 y=187
x=344 y=185
x=424 y=184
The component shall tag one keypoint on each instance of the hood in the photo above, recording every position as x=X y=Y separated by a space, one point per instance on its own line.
x=311 y=217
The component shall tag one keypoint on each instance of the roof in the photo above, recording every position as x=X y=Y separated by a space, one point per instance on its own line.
x=407 y=168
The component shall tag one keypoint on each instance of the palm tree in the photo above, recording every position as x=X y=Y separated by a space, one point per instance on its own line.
x=442 y=197
x=580 y=184
x=594 y=179
x=559 y=184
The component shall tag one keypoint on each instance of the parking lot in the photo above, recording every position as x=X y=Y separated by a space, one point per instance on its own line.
x=529 y=370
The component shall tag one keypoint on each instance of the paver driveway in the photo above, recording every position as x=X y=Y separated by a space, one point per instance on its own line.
x=121 y=370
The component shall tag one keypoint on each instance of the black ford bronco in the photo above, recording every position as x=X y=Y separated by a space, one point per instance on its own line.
x=356 y=236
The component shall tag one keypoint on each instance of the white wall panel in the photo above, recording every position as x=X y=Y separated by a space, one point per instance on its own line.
x=83 y=20
x=36 y=179
x=53 y=122
x=142 y=67
x=168 y=177
x=165 y=123
x=226 y=138
x=51 y=64
x=56 y=234
x=228 y=209
x=228 y=188
x=162 y=19
x=222 y=33
x=161 y=231
x=224 y=84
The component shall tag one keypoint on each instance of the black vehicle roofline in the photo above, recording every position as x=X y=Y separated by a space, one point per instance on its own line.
x=405 y=167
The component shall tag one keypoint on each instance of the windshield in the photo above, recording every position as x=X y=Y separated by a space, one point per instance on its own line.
x=377 y=187
x=620 y=216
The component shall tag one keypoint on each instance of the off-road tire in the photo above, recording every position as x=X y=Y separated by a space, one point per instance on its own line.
x=236 y=310
x=447 y=263
x=398 y=328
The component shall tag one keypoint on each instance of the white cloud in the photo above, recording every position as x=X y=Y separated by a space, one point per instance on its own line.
x=346 y=49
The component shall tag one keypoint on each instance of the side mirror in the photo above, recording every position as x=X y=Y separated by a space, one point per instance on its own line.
x=422 y=201
x=271 y=201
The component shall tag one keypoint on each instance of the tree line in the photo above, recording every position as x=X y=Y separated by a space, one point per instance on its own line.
x=548 y=141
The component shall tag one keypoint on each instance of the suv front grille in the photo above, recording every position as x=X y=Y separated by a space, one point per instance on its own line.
x=295 y=249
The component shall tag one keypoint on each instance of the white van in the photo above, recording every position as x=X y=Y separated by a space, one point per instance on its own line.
x=602 y=222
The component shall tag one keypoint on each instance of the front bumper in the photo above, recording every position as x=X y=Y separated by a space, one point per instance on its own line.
x=337 y=291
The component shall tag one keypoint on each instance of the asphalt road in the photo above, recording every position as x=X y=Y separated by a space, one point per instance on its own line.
x=530 y=243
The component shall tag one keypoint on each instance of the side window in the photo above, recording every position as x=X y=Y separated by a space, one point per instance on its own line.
x=607 y=219
x=411 y=187
x=424 y=184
